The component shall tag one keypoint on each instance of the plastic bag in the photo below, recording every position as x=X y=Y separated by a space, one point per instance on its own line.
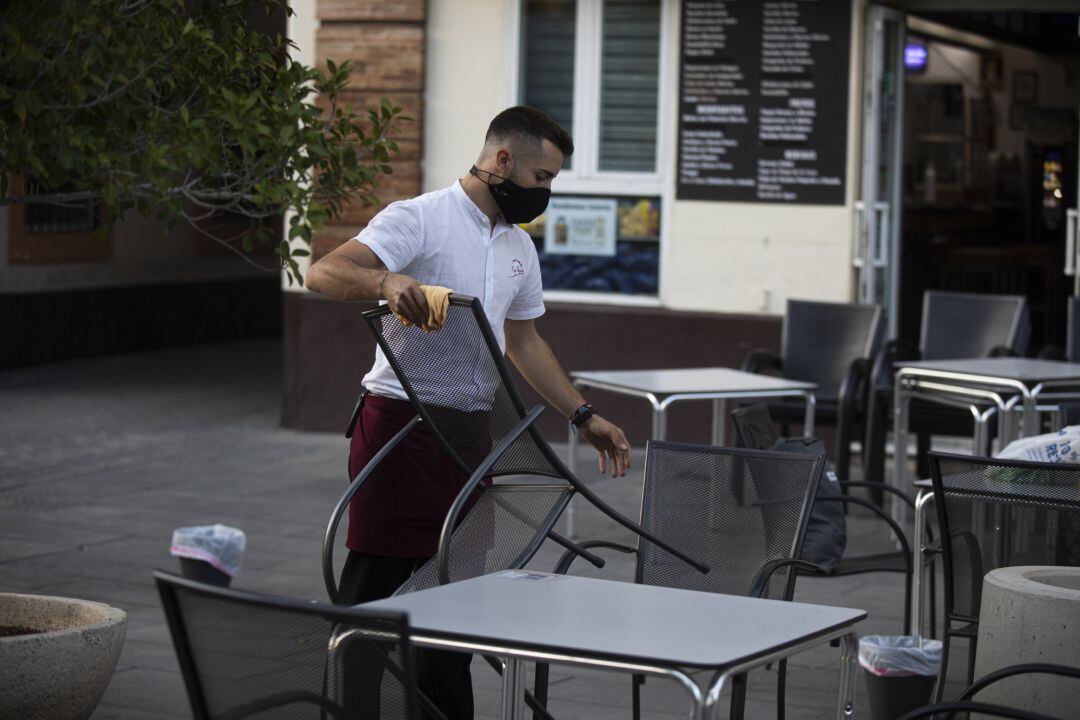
x=1055 y=447
x=895 y=655
x=220 y=545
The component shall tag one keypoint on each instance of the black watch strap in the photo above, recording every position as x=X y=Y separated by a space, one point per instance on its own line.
x=581 y=416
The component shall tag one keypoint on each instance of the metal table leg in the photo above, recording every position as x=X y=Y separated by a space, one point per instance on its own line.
x=900 y=480
x=849 y=653
x=918 y=565
x=512 y=701
x=808 y=416
x=719 y=422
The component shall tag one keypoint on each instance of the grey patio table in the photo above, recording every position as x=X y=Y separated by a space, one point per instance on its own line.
x=987 y=386
x=663 y=388
x=521 y=615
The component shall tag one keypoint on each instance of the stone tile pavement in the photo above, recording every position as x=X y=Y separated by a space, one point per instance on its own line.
x=100 y=459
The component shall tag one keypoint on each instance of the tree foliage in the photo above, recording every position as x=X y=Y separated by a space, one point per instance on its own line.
x=178 y=109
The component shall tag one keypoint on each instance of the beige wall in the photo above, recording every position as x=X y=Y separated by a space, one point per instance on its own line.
x=720 y=257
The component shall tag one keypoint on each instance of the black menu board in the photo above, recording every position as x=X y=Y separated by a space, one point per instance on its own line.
x=763 y=100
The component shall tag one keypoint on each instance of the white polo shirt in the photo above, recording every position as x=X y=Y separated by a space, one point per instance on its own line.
x=443 y=238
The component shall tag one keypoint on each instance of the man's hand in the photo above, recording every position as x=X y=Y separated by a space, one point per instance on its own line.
x=610 y=442
x=405 y=298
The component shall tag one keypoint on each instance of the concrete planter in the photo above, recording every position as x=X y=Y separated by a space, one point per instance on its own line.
x=60 y=671
x=1031 y=614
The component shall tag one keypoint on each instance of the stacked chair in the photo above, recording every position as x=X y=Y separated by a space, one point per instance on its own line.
x=954 y=326
x=742 y=511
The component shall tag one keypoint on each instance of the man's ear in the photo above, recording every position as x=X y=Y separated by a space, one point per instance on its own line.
x=504 y=161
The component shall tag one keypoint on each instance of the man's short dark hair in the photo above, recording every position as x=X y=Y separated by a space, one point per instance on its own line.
x=527 y=123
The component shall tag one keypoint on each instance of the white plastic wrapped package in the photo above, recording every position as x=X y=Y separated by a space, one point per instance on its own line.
x=220 y=545
x=1055 y=447
x=895 y=655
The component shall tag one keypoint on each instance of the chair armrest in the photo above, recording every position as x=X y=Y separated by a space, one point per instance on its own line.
x=767 y=570
x=1020 y=669
x=879 y=486
x=760 y=359
x=905 y=546
x=568 y=557
x=576 y=549
x=1052 y=352
x=891 y=350
x=1000 y=711
x=853 y=384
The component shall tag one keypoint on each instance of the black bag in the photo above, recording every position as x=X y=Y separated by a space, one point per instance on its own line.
x=826 y=529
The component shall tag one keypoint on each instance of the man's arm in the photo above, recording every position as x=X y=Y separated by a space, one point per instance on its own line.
x=352 y=271
x=534 y=359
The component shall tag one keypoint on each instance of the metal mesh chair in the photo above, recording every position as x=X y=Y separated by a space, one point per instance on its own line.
x=754 y=429
x=460 y=386
x=954 y=326
x=965 y=704
x=743 y=512
x=245 y=655
x=998 y=513
x=831 y=345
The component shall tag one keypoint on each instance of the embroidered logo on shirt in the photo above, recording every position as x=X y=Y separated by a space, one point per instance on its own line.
x=516 y=268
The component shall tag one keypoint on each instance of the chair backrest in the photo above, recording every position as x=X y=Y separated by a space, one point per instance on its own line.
x=249 y=655
x=1001 y=513
x=821 y=339
x=754 y=427
x=967 y=325
x=734 y=509
x=458 y=381
x=502 y=531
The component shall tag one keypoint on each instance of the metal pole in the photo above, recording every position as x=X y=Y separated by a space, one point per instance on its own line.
x=513 y=686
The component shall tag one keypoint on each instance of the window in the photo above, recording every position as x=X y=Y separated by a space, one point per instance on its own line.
x=595 y=67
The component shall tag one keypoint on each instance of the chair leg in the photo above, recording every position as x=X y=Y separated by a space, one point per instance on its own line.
x=636 y=682
x=971 y=660
x=922 y=462
x=540 y=686
x=781 y=690
x=874 y=451
x=843 y=447
x=738 y=697
x=933 y=603
x=943 y=671
x=907 y=603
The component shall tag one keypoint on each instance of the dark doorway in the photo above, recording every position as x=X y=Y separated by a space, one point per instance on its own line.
x=990 y=161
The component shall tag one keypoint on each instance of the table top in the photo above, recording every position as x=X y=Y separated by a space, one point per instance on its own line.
x=615 y=621
x=688 y=381
x=1027 y=370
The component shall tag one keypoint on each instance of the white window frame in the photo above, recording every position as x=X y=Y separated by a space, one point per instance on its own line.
x=584 y=176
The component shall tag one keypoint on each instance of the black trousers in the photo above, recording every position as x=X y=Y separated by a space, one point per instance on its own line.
x=443 y=676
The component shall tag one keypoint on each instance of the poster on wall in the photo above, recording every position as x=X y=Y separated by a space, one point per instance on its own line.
x=581 y=226
x=763 y=100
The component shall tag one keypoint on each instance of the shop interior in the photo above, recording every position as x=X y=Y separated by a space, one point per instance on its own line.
x=990 y=160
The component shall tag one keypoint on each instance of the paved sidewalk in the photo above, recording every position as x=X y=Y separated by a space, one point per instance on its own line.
x=101 y=459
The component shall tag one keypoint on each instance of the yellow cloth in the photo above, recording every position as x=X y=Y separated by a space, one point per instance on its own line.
x=438 y=302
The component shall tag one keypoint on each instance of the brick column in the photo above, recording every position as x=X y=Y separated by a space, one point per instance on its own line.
x=384 y=39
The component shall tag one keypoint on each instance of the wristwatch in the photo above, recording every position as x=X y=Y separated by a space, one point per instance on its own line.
x=581 y=416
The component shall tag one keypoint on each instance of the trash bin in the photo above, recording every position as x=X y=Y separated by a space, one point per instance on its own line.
x=900 y=671
x=209 y=553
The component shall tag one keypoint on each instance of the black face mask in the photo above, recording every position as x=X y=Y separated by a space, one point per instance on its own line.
x=517 y=204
